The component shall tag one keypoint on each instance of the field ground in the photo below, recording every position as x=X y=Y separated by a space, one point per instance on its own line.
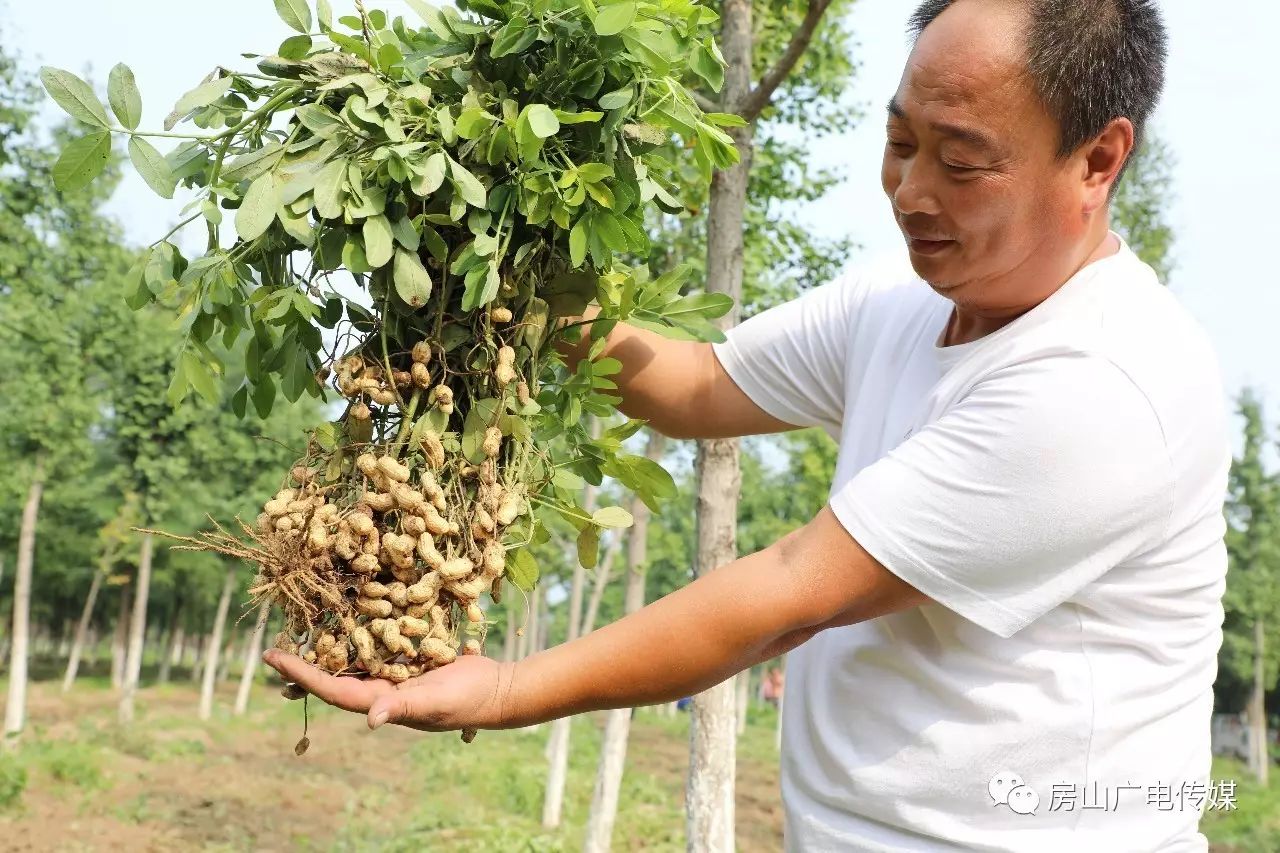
x=81 y=782
x=173 y=783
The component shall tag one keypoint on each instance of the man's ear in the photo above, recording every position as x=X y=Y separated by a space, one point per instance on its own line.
x=1104 y=157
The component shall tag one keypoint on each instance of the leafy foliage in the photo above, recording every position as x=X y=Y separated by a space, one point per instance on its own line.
x=480 y=177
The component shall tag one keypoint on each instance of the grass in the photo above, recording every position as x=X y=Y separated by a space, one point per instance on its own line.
x=234 y=784
x=1254 y=825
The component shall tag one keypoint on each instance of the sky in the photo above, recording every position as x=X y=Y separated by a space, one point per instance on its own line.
x=1217 y=115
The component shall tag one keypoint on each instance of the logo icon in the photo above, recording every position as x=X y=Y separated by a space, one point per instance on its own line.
x=1008 y=789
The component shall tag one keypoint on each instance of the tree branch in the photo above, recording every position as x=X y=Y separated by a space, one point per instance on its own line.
x=761 y=95
x=706 y=104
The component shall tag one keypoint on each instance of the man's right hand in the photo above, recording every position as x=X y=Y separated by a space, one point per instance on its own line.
x=679 y=387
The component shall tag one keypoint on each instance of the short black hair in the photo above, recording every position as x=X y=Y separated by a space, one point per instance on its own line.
x=1091 y=61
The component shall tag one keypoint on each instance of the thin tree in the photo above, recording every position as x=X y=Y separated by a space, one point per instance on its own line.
x=253 y=648
x=16 y=703
x=214 y=645
x=712 y=763
x=137 y=631
x=558 y=744
x=82 y=629
x=617 y=727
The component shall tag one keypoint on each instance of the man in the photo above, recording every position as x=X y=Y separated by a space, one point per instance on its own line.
x=1014 y=592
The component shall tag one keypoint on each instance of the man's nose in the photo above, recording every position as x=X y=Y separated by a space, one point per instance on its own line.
x=915 y=192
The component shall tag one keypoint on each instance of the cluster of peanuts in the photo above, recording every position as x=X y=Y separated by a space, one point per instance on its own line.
x=364 y=382
x=405 y=561
x=401 y=549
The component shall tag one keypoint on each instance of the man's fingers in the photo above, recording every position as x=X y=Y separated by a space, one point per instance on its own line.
x=349 y=694
x=391 y=707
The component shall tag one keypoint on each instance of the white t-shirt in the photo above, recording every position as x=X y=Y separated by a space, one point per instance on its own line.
x=1056 y=488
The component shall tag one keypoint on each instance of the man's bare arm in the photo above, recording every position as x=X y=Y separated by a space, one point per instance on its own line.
x=734 y=617
x=679 y=387
x=749 y=611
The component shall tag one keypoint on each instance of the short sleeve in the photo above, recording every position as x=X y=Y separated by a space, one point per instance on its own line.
x=790 y=360
x=1042 y=478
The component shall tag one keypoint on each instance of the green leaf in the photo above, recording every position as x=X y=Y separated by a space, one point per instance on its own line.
x=406 y=234
x=468 y=185
x=522 y=569
x=199 y=375
x=152 y=166
x=82 y=160
x=178 y=384
x=725 y=119
x=613 y=19
x=412 y=281
x=589 y=546
x=328 y=191
x=264 y=396
x=141 y=294
x=611 y=517
x=320 y=120
x=249 y=165
x=578 y=243
x=201 y=96
x=513 y=37
x=578 y=118
x=542 y=121
x=378 y=240
x=240 y=401
x=297 y=227
x=74 y=95
x=122 y=92
x=257 y=208
x=616 y=99
x=295 y=47
x=431 y=176
x=295 y=13
x=705 y=66
x=324 y=14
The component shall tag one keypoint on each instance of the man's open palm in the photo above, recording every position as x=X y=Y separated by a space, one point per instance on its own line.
x=464 y=694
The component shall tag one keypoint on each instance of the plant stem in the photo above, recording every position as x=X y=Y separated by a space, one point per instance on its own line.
x=176 y=229
x=406 y=423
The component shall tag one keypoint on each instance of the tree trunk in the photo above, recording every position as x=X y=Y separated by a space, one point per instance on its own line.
x=558 y=745
x=137 y=631
x=709 y=795
x=617 y=727
x=178 y=646
x=253 y=647
x=1257 y=707
x=64 y=639
x=602 y=580
x=215 y=645
x=82 y=631
x=15 y=709
x=197 y=659
x=119 y=638
x=224 y=661
x=743 y=681
x=172 y=649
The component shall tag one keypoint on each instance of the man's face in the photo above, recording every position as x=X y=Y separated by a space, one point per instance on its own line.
x=988 y=209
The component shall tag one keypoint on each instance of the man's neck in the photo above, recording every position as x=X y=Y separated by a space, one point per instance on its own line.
x=963 y=327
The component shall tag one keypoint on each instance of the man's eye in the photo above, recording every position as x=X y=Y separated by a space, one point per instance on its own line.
x=957 y=167
x=898 y=147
